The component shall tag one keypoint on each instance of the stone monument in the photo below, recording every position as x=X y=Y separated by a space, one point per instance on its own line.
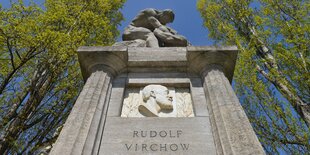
x=154 y=94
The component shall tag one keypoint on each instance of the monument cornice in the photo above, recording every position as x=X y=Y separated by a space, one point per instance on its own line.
x=193 y=59
x=112 y=60
x=203 y=58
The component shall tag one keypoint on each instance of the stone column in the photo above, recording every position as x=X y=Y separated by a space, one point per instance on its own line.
x=232 y=130
x=80 y=133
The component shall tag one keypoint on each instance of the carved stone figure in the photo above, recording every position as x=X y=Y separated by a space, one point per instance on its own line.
x=181 y=101
x=156 y=98
x=150 y=25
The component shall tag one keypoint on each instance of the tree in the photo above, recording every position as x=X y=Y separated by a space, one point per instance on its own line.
x=272 y=77
x=40 y=76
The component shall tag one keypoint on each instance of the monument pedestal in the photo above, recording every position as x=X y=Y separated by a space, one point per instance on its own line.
x=207 y=117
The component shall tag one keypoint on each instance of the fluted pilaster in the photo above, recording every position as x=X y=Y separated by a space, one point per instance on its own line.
x=232 y=130
x=80 y=131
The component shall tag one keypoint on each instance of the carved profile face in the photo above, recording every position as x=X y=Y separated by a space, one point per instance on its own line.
x=167 y=16
x=160 y=94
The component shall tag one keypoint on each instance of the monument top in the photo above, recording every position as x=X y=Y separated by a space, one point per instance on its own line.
x=149 y=29
x=191 y=60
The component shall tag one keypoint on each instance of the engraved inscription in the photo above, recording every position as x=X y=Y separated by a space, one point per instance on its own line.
x=166 y=135
x=157 y=147
x=153 y=133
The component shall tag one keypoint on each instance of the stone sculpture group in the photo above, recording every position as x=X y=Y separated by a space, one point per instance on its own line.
x=149 y=29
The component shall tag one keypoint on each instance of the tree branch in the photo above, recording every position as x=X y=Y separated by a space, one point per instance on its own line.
x=11 y=53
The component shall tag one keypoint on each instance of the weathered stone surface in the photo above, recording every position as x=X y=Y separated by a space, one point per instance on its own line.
x=193 y=132
x=83 y=122
x=92 y=132
x=201 y=57
x=117 y=95
x=156 y=60
x=132 y=43
x=232 y=130
x=159 y=56
x=184 y=106
x=198 y=97
x=110 y=59
x=211 y=48
x=176 y=82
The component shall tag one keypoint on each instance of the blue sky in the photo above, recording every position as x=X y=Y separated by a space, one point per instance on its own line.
x=187 y=19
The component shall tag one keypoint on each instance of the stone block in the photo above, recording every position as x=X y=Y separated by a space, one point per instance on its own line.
x=157 y=136
x=198 y=98
x=117 y=95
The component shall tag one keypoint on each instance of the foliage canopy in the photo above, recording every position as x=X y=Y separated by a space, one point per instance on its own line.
x=39 y=73
x=272 y=77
